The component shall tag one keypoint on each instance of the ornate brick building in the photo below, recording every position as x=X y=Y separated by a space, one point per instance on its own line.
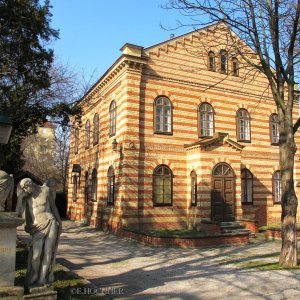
x=176 y=134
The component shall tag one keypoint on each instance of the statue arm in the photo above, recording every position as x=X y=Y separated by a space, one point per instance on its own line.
x=20 y=206
x=20 y=201
x=53 y=207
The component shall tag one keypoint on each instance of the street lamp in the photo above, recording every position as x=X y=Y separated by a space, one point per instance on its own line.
x=5 y=129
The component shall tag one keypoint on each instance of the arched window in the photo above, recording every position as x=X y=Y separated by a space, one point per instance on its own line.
x=112 y=118
x=94 y=185
x=223 y=170
x=206 y=120
x=247 y=186
x=162 y=115
x=110 y=185
x=76 y=142
x=162 y=186
x=96 y=129
x=193 y=188
x=223 y=62
x=86 y=187
x=274 y=132
x=211 y=61
x=243 y=125
x=75 y=188
x=276 y=184
x=235 y=67
x=87 y=134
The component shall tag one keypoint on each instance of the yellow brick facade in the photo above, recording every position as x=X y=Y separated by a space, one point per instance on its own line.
x=178 y=70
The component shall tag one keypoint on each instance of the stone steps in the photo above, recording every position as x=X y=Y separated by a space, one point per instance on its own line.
x=233 y=227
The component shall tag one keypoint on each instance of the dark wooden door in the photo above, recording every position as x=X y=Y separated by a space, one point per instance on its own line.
x=222 y=195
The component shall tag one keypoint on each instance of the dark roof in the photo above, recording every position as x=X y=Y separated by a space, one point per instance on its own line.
x=26 y=174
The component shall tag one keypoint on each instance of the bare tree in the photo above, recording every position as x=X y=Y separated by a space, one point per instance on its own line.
x=39 y=152
x=271 y=29
x=62 y=145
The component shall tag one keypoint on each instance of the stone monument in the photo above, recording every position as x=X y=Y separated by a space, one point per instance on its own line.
x=8 y=236
x=42 y=221
x=6 y=189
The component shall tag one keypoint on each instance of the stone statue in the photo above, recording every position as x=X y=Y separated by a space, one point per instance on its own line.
x=6 y=189
x=43 y=223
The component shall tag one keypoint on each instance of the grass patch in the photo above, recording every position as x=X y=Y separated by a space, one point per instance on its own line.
x=257 y=262
x=264 y=266
x=240 y=259
x=64 y=280
x=270 y=226
x=182 y=233
x=273 y=226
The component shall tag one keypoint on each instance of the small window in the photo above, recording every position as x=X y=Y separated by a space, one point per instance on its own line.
x=276 y=187
x=110 y=185
x=163 y=115
x=223 y=62
x=96 y=129
x=235 y=67
x=206 y=120
x=243 y=125
x=87 y=134
x=112 y=118
x=75 y=188
x=76 y=142
x=162 y=186
x=211 y=61
x=86 y=187
x=94 y=185
x=193 y=188
x=274 y=132
x=247 y=186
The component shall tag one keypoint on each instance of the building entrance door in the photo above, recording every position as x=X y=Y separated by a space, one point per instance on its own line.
x=222 y=198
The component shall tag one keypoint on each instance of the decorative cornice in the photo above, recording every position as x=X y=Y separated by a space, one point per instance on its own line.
x=207 y=86
x=127 y=62
x=163 y=148
x=217 y=138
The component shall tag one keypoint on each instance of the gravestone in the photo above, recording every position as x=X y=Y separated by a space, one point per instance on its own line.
x=8 y=237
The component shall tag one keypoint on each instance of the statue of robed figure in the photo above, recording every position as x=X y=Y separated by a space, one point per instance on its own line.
x=43 y=223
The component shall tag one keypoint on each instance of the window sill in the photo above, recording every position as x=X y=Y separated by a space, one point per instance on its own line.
x=205 y=136
x=163 y=204
x=276 y=203
x=163 y=133
x=274 y=144
x=244 y=141
x=247 y=203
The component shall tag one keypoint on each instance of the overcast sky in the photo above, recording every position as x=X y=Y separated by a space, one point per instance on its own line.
x=93 y=31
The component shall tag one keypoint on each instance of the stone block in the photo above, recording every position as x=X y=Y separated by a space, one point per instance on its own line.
x=8 y=236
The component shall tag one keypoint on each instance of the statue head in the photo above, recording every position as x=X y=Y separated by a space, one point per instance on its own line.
x=26 y=185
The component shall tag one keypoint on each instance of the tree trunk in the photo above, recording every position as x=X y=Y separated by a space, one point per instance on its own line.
x=288 y=256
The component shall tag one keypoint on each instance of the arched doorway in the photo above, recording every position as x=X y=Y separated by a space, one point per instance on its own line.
x=222 y=198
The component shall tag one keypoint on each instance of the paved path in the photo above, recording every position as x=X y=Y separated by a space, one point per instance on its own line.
x=136 y=271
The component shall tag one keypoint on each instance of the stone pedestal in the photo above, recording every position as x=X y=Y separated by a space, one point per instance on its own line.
x=8 y=236
x=41 y=293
